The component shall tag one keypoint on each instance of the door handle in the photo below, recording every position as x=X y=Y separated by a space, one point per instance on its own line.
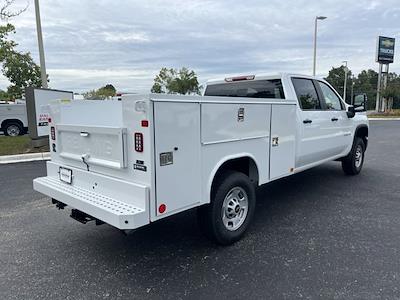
x=307 y=121
x=334 y=119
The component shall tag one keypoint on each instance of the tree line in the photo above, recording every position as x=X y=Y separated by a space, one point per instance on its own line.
x=366 y=82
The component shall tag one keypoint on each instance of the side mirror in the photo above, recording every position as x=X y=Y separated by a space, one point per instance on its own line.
x=360 y=102
x=351 y=112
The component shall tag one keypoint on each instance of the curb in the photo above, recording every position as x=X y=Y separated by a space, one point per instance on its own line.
x=9 y=159
x=383 y=119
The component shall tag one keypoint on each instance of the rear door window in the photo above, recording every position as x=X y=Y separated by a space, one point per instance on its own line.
x=306 y=94
x=250 y=89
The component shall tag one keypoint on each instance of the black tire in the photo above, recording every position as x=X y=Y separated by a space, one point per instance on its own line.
x=353 y=162
x=13 y=129
x=210 y=217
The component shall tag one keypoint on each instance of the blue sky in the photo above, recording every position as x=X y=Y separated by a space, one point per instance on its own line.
x=91 y=43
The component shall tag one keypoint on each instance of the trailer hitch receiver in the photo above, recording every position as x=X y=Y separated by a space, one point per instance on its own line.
x=83 y=217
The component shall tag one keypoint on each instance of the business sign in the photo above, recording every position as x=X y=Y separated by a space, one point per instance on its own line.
x=37 y=101
x=385 y=50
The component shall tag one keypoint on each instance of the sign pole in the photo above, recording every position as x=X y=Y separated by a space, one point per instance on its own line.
x=378 y=89
x=385 y=80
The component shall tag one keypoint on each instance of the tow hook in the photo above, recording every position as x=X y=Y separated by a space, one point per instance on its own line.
x=58 y=204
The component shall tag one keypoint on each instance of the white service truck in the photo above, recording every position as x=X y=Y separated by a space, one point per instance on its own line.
x=147 y=157
x=13 y=119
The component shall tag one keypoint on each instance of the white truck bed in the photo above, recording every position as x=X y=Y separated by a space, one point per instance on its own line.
x=128 y=189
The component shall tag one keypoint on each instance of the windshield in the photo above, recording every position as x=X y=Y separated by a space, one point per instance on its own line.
x=250 y=89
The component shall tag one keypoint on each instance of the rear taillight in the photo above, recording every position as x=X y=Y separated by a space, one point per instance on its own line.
x=138 y=142
x=53 y=133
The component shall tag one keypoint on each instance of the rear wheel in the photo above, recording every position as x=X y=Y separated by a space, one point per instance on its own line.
x=353 y=163
x=12 y=129
x=229 y=214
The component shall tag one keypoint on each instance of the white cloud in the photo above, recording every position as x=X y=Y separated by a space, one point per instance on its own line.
x=125 y=43
x=125 y=37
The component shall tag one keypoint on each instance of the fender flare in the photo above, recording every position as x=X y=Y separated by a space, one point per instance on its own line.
x=221 y=162
x=362 y=127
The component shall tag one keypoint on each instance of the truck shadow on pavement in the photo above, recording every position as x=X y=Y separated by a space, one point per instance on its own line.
x=286 y=202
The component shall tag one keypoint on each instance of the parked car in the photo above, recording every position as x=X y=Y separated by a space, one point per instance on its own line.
x=13 y=119
x=147 y=157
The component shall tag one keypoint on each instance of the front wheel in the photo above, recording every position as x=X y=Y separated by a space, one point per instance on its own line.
x=353 y=163
x=232 y=206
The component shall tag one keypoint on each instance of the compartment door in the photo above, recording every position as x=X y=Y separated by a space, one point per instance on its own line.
x=283 y=132
x=177 y=155
x=95 y=145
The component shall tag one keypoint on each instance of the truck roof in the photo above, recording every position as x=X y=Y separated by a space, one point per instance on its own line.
x=260 y=76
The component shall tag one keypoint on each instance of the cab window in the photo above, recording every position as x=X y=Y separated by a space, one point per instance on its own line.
x=332 y=100
x=306 y=94
x=250 y=89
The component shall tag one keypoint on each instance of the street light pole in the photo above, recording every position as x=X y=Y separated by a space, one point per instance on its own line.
x=346 y=70
x=40 y=44
x=315 y=41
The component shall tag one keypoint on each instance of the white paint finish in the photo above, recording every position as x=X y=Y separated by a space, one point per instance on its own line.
x=107 y=209
x=213 y=99
x=90 y=192
x=13 y=112
x=177 y=126
x=220 y=123
x=312 y=137
x=125 y=191
x=99 y=145
x=215 y=155
x=283 y=131
x=175 y=122
x=88 y=113
x=343 y=130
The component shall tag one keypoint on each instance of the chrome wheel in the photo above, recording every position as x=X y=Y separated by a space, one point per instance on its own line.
x=235 y=208
x=358 y=156
x=13 y=130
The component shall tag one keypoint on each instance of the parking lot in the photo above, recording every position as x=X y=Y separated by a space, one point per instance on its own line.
x=317 y=235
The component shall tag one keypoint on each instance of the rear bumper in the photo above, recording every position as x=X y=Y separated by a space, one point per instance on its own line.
x=123 y=205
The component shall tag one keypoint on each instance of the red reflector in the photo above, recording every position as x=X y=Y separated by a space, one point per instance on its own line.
x=145 y=123
x=162 y=208
x=53 y=133
x=49 y=120
x=138 y=142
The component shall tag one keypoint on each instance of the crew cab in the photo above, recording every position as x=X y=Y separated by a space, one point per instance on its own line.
x=132 y=162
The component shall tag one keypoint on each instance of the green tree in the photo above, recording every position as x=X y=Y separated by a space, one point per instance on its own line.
x=336 y=78
x=389 y=93
x=102 y=93
x=366 y=82
x=18 y=67
x=172 y=81
x=4 y=95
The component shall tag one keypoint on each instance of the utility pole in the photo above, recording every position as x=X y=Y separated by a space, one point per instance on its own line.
x=315 y=42
x=40 y=44
x=346 y=70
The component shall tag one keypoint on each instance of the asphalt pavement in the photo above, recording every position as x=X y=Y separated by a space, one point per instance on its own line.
x=316 y=235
